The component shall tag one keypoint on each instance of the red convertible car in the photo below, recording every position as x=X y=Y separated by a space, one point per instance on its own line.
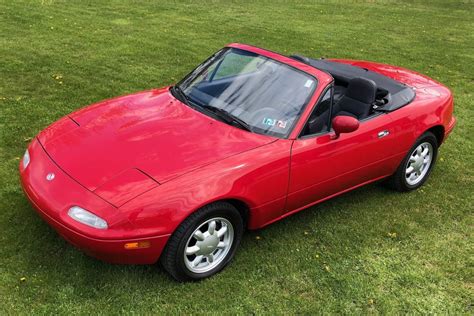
x=247 y=138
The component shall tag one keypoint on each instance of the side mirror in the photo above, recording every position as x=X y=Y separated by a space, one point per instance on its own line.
x=344 y=124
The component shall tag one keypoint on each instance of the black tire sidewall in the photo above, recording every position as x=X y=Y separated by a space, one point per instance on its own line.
x=224 y=210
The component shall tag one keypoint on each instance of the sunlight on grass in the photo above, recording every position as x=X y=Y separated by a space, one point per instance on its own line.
x=372 y=250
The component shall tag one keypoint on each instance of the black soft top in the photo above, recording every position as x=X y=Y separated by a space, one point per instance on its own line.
x=391 y=93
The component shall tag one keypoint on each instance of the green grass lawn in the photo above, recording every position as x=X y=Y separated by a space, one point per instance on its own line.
x=371 y=250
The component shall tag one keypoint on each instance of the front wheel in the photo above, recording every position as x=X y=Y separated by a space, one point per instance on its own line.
x=204 y=243
x=416 y=167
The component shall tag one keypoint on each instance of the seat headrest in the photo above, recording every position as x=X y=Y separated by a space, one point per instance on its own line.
x=361 y=89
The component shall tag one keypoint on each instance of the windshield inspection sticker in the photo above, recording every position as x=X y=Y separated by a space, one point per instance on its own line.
x=269 y=121
x=273 y=122
x=282 y=124
x=308 y=83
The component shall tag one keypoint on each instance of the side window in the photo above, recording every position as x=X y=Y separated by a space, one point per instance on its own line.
x=318 y=121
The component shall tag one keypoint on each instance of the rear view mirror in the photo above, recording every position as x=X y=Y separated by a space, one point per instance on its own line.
x=344 y=124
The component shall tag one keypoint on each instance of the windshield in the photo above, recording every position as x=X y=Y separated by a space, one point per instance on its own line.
x=253 y=91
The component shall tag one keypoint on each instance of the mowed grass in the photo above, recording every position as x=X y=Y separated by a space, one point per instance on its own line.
x=369 y=251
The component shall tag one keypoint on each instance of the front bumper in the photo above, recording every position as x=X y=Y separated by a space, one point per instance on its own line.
x=52 y=199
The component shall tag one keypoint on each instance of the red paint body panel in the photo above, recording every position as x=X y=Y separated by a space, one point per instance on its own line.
x=53 y=199
x=125 y=186
x=150 y=131
x=321 y=166
x=257 y=177
x=145 y=162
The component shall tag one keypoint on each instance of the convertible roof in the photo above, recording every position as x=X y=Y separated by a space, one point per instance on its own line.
x=397 y=93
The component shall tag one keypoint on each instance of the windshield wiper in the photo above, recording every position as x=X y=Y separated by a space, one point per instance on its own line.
x=222 y=114
x=228 y=117
x=181 y=95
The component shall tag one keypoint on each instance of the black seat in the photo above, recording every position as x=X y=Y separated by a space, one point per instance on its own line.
x=358 y=99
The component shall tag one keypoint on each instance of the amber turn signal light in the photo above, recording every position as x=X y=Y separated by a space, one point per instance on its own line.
x=137 y=245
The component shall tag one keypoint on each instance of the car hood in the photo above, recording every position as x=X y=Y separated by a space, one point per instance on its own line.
x=141 y=140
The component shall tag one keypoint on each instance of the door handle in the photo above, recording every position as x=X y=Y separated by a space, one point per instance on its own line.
x=383 y=133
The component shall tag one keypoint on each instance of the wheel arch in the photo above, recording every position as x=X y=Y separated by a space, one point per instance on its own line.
x=239 y=204
x=438 y=131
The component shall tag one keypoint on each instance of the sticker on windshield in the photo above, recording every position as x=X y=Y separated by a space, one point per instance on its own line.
x=269 y=121
x=308 y=83
x=282 y=124
x=273 y=122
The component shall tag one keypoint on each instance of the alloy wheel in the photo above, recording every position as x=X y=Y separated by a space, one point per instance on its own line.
x=208 y=245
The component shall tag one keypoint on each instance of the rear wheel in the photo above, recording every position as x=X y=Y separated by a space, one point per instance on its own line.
x=204 y=243
x=416 y=167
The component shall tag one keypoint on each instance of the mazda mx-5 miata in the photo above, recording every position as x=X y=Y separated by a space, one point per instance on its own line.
x=247 y=138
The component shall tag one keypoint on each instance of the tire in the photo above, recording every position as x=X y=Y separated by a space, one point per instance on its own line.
x=191 y=255
x=399 y=181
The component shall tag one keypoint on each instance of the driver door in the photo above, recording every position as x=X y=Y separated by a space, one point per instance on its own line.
x=322 y=166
